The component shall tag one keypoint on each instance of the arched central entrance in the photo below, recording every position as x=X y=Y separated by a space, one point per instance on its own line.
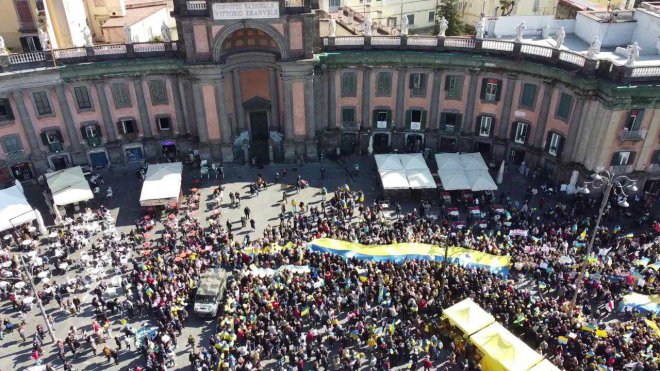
x=258 y=112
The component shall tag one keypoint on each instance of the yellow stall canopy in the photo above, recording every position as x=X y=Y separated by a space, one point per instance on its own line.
x=545 y=365
x=504 y=351
x=468 y=316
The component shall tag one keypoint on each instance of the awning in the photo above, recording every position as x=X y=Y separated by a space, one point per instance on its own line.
x=480 y=180
x=162 y=184
x=453 y=180
x=473 y=161
x=388 y=162
x=420 y=179
x=394 y=179
x=503 y=350
x=448 y=161
x=15 y=210
x=68 y=186
x=466 y=171
x=468 y=316
x=411 y=161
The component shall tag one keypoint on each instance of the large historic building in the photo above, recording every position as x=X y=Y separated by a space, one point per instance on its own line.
x=263 y=80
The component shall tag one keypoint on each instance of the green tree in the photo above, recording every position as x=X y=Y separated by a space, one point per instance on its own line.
x=450 y=10
x=506 y=6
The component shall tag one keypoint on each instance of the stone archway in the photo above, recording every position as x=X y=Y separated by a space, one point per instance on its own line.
x=219 y=53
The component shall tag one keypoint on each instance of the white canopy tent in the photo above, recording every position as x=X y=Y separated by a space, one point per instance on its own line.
x=466 y=171
x=394 y=179
x=388 y=162
x=411 y=161
x=162 y=184
x=420 y=179
x=405 y=171
x=68 y=186
x=15 y=210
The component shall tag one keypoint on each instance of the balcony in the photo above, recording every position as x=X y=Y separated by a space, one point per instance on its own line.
x=621 y=169
x=15 y=156
x=55 y=147
x=196 y=5
x=349 y=125
x=94 y=141
x=448 y=129
x=632 y=134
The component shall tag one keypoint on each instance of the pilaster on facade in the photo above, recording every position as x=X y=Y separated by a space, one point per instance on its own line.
x=180 y=125
x=70 y=126
x=471 y=99
x=106 y=115
x=573 y=128
x=436 y=106
x=200 y=112
x=26 y=122
x=239 y=113
x=544 y=111
x=143 y=109
x=366 y=98
x=223 y=119
x=332 y=98
x=400 y=97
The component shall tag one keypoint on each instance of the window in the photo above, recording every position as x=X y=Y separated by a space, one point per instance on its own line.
x=485 y=126
x=349 y=84
x=634 y=120
x=536 y=6
x=411 y=19
x=384 y=84
x=6 y=113
x=554 y=144
x=528 y=96
x=521 y=132
x=450 y=122
x=348 y=116
x=30 y=44
x=11 y=144
x=417 y=84
x=82 y=98
x=453 y=86
x=52 y=139
x=623 y=158
x=164 y=123
x=655 y=160
x=120 y=95
x=431 y=17
x=41 y=103
x=490 y=90
x=381 y=118
x=126 y=126
x=416 y=119
x=158 y=92
x=91 y=132
x=564 y=106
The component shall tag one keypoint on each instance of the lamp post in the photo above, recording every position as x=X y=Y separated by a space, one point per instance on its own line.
x=621 y=185
x=49 y=326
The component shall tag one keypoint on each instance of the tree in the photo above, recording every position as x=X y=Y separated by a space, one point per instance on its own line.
x=506 y=6
x=450 y=10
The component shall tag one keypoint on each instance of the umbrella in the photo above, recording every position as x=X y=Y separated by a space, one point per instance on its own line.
x=370 y=149
x=500 y=173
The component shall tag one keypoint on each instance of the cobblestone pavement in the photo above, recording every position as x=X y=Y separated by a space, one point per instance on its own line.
x=125 y=209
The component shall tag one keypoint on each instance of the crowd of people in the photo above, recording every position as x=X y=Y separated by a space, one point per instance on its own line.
x=350 y=313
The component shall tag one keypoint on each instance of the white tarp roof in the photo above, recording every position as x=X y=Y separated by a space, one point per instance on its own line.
x=412 y=161
x=388 y=162
x=14 y=208
x=420 y=179
x=394 y=179
x=466 y=171
x=162 y=184
x=68 y=186
x=480 y=180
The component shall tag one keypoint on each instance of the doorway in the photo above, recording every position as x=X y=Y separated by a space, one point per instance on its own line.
x=98 y=159
x=260 y=135
x=169 y=150
x=483 y=148
x=447 y=145
x=381 y=143
x=347 y=145
x=517 y=156
x=414 y=143
x=59 y=162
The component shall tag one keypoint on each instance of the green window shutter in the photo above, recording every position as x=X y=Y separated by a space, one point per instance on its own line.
x=484 y=85
x=411 y=79
x=631 y=158
x=443 y=119
x=477 y=127
x=514 y=129
x=564 y=108
x=638 y=121
x=83 y=132
x=408 y=118
x=548 y=137
x=98 y=130
x=422 y=83
x=353 y=84
x=389 y=118
x=459 y=121
x=44 y=138
x=615 y=159
x=374 y=118
x=499 y=90
x=528 y=95
x=423 y=125
x=58 y=135
x=447 y=82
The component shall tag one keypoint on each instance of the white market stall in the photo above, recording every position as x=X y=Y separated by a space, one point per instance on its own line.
x=404 y=171
x=162 y=185
x=68 y=186
x=15 y=210
x=465 y=171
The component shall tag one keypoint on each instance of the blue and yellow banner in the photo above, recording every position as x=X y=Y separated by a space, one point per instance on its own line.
x=644 y=303
x=400 y=252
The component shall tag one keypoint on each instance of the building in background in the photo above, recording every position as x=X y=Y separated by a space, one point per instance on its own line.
x=144 y=18
x=473 y=10
x=388 y=13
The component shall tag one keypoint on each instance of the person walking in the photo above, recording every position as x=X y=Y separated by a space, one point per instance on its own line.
x=294 y=205
x=246 y=211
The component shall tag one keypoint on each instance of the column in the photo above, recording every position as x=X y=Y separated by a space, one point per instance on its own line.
x=178 y=107
x=200 y=115
x=274 y=98
x=435 y=100
x=511 y=82
x=26 y=122
x=220 y=102
x=366 y=97
x=142 y=108
x=543 y=114
x=108 y=124
x=332 y=98
x=71 y=131
x=288 y=109
x=472 y=96
x=310 y=112
x=573 y=128
x=400 y=97
x=238 y=100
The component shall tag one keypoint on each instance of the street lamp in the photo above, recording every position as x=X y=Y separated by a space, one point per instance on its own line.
x=621 y=185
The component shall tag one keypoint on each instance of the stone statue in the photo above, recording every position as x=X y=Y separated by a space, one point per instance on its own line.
x=43 y=39
x=404 y=25
x=333 y=27
x=3 y=48
x=444 y=25
x=480 y=27
x=633 y=54
x=367 y=26
x=519 y=31
x=127 y=32
x=560 y=38
x=545 y=33
x=87 y=34
x=165 y=32
x=594 y=48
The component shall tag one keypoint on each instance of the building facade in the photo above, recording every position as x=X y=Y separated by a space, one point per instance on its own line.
x=256 y=81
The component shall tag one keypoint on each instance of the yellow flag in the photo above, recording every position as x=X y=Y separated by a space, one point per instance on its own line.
x=601 y=333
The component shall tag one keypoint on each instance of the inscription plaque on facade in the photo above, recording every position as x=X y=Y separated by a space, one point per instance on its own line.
x=269 y=9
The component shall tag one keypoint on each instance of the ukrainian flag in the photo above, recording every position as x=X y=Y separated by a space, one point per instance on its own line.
x=363 y=274
x=304 y=312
